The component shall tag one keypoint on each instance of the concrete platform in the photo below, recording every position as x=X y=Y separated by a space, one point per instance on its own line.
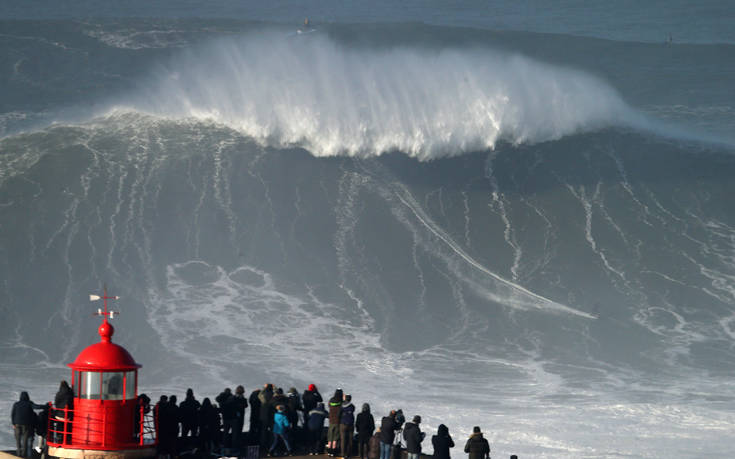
x=68 y=453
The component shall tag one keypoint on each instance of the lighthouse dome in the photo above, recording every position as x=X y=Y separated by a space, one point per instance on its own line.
x=105 y=355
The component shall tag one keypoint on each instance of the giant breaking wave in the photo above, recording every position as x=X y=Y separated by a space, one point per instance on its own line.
x=333 y=99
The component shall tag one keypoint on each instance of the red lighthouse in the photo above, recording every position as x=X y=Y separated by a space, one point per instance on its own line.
x=106 y=419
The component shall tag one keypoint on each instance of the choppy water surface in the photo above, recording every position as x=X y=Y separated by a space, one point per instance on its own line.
x=481 y=224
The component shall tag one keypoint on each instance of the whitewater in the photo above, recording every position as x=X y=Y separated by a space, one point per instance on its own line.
x=312 y=93
x=520 y=224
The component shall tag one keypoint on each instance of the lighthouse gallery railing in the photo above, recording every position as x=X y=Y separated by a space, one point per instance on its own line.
x=60 y=427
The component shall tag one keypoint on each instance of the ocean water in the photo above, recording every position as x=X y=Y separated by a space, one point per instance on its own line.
x=501 y=214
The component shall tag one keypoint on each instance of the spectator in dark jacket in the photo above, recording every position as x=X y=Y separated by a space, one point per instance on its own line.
x=189 y=413
x=388 y=427
x=477 y=447
x=254 y=430
x=63 y=402
x=175 y=418
x=442 y=441
x=240 y=404
x=162 y=417
x=24 y=420
x=293 y=410
x=346 y=426
x=365 y=426
x=315 y=427
x=228 y=408
x=310 y=398
x=335 y=406
x=209 y=425
x=265 y=396
x=413 y=436
x=294 y=406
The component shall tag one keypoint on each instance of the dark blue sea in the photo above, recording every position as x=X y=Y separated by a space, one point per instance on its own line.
x=512 y=214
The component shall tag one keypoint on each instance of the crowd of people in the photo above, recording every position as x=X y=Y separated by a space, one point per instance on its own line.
x=280 y=423
x=27 y=424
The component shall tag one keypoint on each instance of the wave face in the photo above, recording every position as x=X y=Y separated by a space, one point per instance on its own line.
x=331 y=100
x=266 y=209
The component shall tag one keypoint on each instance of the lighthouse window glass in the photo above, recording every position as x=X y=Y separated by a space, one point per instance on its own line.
x=112 y=386
x=90 y=385
x=130 y=385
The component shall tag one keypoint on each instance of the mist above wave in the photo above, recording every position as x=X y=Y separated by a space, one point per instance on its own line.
x=311 y=92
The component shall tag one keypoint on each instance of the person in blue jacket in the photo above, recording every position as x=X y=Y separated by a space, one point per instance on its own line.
x=281 y=426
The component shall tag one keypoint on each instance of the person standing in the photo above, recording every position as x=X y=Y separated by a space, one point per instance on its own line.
x=225 y=401
x=189 y=412
x=174 y=421
x=346 y=426
x=315 y=426
x=208 y=426
x=265 y=396
x=388 y=427
x=442 y=441
x=365 y=426
x=240 y=404
x=254 y=429
x=162 y=419
x=293 y=408
x=310 y=398
x=281 y=426
x=63 y=404
x=335 y=405
x=413 y=436
x=279 y=398
x=477 y=447
x=24 y=420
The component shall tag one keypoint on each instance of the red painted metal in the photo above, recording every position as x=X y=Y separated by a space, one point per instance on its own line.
x=105 y=383
x=61 y=432
x=105 y=355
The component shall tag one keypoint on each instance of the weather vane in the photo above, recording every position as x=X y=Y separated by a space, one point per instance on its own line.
x=104 y=297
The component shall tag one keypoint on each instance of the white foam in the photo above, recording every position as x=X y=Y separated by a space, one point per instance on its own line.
x=339 y=100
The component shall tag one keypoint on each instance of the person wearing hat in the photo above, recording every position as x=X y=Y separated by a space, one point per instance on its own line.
x=477 y=447
x=346 y=426
x=310 y=398
x=335 y=408
x=365 y=426
x=315 y=426
x=413 y=436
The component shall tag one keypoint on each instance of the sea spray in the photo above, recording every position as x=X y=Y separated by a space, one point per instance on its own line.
x=336 y=100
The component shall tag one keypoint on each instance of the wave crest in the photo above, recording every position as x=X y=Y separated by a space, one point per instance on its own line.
x=311 y=92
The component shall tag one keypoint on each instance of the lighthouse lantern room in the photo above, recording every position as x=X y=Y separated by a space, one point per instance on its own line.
x=106 y=418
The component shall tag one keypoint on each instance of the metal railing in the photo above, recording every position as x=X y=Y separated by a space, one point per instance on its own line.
x=61 y=422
